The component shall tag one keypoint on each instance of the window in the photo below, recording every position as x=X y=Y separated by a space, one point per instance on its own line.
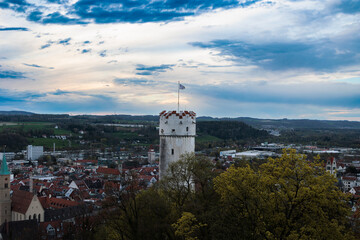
x=39 y=217
x=172 y=151
x=173 y=130
x=29 y=217
x=6 y=185
x=187 y=129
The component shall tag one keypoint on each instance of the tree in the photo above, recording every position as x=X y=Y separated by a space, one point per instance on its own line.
x=188 y=227
x=286 y=198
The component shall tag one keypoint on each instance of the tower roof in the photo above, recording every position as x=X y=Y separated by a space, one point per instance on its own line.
x=4 y=169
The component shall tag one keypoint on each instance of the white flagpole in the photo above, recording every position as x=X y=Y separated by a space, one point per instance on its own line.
x=178 y=95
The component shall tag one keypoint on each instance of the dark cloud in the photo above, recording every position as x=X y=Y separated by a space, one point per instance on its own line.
x=152 y=70
x=86 y=51
x=102 y=53
x=8 y=97
x=261 y=92
x=108 y=11
x=14 y=29
x=46 y=45
x=37 y=101
x=323 y=55
x=131 y=11
x=15 y=5
x=60 y=92
x=53 y=18
x=64 y=42
x=34 y=16
x=11 y=74
x=36 y=66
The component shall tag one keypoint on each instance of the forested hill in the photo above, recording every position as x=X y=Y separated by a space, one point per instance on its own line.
x=290 y=123
x=229 y=130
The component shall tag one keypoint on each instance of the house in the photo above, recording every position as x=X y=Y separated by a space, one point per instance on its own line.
x=349 y=182
x=26 y=206
x=109 y=173
x=331 y=166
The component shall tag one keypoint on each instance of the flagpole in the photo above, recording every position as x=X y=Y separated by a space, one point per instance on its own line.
x=178 y=95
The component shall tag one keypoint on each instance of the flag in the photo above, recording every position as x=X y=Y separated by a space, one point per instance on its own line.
x=182 y=87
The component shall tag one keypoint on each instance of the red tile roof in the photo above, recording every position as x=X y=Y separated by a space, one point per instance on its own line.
x=20 y=201
x=108 y=171
x=47 y=202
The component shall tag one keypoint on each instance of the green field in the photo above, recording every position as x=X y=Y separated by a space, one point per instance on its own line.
x=207 y=139
x=26 y=126
x=62 y=132
x=49 y=142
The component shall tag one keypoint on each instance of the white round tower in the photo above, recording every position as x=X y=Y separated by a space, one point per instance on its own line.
x=177 y=136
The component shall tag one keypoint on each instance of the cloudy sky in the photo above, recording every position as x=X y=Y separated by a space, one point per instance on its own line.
x=267 y=59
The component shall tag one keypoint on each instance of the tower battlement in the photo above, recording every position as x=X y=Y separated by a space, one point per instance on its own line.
x=180 y=114
x=174 y=123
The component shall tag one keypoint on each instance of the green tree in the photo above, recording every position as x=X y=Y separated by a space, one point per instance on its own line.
x=188 y=227
x=286 y=198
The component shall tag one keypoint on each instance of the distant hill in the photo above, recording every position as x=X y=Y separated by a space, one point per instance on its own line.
x=290 y=123
x=280 y=124
x=234 y=130
x=15 y=113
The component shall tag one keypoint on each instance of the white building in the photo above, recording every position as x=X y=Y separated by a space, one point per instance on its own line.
x=151 y=156
x=228 y=153
x=34 y=152
x=8 y=155
x=331 y=165
x=254 y=154
x=177 y=132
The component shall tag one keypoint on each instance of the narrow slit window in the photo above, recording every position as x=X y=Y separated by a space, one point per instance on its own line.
x=172 y=151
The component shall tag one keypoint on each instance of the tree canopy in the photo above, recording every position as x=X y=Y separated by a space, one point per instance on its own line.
x=284 y=198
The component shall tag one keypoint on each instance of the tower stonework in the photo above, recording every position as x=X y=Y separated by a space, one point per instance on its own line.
x=177 y=132
x=5 y=201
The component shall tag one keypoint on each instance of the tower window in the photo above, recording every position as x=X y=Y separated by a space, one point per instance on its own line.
x=172 y=151
x=6 y=185
x=173 y=130
x=187 y=129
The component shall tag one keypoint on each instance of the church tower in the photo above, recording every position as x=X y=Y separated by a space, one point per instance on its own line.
x=177 y=132
x=5 y=201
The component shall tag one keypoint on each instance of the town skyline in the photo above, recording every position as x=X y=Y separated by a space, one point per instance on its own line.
x=261 y=59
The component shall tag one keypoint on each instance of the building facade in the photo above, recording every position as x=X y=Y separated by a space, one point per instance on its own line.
x=5 y=201
x=177 y=132
x=34 y=152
